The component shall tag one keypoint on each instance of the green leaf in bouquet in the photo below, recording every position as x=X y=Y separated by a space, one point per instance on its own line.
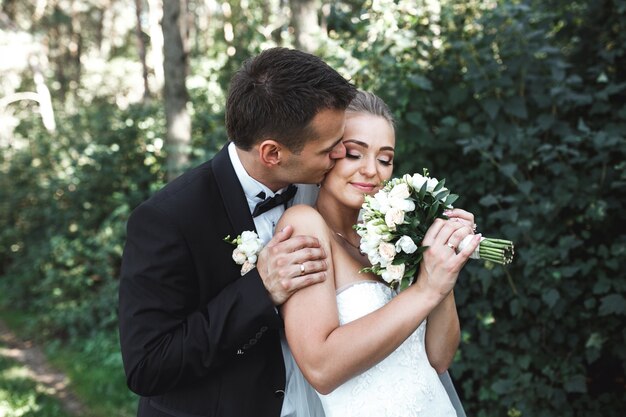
x=450 y=199
x=433 y=211
x=439 y=186
x=405 y=282
x=411 y=272
x=422 y=192
x=420 y=250
x=442 y=195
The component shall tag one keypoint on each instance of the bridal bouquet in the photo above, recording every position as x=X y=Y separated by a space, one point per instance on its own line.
x=396 y=219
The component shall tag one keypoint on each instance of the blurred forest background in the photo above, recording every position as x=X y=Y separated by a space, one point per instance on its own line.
x=519 y=104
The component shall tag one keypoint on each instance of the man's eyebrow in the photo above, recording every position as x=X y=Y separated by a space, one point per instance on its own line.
x=365 y=145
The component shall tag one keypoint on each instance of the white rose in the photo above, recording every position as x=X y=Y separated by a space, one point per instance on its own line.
x=374 y=257
x=416 y=181
x=249 y=247
x=248 y=235
x=399 y=191
x=369 y=243
x=393 y=273
x=252 y=258
x=250 y=243
x=239 y=257
x=405 y=244
x=403 y=204
x=381 y=202
x=432 y=183
x=387 y=252
x=393 y=218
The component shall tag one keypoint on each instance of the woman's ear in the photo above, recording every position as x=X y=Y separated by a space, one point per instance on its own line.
x=270 y=153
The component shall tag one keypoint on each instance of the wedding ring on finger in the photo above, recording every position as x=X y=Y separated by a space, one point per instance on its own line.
x=474 y=228
x=451 y=246
x=302 y=269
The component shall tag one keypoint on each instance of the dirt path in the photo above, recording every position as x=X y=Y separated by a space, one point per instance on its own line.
x=39 y=370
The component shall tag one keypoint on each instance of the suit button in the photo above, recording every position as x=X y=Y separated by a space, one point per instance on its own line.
x=279 y=393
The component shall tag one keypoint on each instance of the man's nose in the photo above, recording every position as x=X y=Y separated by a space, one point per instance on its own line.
x=338 y=152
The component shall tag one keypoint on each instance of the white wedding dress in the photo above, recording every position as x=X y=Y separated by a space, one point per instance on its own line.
x=402 y=385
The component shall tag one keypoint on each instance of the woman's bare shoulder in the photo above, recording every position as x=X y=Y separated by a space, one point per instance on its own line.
x=304 y=218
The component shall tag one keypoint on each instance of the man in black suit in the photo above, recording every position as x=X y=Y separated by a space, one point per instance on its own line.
x=198 y=338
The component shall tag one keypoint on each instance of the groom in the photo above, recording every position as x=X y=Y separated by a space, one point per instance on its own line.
x=197 y=337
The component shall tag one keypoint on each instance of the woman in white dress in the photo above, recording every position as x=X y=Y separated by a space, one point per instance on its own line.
x=366 y=350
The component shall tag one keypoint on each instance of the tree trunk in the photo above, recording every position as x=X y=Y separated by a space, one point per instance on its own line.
x=175 y=92
x=141 y=44
x=155 y=14
x=305 y=23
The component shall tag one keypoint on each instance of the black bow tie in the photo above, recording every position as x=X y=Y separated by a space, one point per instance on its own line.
x=271 y=202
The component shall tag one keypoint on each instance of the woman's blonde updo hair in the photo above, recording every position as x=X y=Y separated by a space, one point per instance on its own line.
x=366 y=102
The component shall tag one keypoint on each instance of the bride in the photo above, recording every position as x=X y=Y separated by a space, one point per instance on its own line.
x=367 y=350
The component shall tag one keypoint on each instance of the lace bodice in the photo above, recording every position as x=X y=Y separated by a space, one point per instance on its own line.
x=402 y=385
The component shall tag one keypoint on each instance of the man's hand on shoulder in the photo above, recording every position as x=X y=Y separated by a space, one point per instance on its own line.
x=288 y=263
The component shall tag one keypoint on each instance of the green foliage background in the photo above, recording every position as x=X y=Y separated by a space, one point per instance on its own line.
x=520 y=105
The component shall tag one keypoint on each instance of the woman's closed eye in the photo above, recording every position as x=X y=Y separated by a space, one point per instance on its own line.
x=355 y=155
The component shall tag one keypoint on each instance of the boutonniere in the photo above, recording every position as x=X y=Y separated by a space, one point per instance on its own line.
x=248 y=245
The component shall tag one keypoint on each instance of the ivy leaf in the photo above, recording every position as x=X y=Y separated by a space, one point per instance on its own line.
x=577 y=383
x=502 y=386
x=515 y=106
x=421 y=82
x=415 y=118
x=613 y=304
x=551 y=297
x=491 y=106
x=488 y=200
x=582 y=126
x=508 y=169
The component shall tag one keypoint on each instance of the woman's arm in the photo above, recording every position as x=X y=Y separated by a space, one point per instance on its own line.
x=328 y=354
x=443 y=331
x=443 y=334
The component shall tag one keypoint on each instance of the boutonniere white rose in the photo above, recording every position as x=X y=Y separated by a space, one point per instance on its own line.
x=248 y=245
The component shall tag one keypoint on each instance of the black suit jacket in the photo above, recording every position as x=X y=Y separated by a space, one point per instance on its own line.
x=197 y=338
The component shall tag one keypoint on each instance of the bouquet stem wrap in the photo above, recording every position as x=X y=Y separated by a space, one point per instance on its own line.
x=498 y=251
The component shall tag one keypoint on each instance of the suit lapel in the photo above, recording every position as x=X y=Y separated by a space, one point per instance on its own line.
x=232 y=193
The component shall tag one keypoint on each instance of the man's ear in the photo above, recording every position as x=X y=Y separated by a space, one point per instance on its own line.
x=270 y=153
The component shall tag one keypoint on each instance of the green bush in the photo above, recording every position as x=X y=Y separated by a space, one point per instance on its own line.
x=67 y=199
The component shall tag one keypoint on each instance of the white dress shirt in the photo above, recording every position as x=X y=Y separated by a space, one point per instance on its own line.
x=300 y=399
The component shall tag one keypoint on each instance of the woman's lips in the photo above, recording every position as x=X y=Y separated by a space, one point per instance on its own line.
x=363 y=186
